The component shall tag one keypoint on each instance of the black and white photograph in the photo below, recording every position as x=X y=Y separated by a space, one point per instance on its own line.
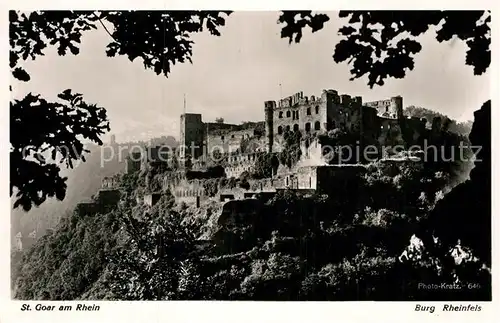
x=251 y=156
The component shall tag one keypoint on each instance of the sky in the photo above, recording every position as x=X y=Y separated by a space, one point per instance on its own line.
x=232 y=75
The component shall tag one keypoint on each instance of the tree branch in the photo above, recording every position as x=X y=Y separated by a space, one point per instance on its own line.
x=106 y=29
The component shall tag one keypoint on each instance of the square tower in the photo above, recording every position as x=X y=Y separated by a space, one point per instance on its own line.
x=192 y=136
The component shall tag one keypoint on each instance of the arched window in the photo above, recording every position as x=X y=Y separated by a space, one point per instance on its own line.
x=280 y=114
x=308 y=127
x=296 y=127
x=317 y=109
x=280 y=130
x=288 y=114
x=287 y=128
x=317 y=125
x=308 y=111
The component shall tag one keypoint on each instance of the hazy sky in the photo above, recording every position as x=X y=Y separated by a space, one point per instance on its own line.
x=232 y=75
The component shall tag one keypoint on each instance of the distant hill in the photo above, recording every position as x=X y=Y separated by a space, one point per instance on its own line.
x=83 y=182
x=462 y=128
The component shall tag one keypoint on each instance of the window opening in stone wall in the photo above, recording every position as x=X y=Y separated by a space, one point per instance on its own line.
x=287 y=128
x=317 y=109
x=317 y=125
x=308 y=127
x=295 y=127
x=308 y=111
x=288 y=114
x=280 y=114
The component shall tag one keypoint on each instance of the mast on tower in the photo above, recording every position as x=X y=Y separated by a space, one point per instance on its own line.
x=184 y=103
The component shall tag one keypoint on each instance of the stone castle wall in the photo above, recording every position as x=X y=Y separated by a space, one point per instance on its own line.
x=189 y=191
x=390 y=108
x=227 y=140
x=299 y=113
x=133 y=162
x=315 y=114
x=110 y=182
x=295 y=113
x=236 y=164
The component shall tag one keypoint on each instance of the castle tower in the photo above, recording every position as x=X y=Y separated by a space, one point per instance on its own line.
x=192 y=136
x=269 y=107
x=397 y=106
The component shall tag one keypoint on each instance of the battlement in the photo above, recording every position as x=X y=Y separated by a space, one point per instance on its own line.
x=110 y=182
x=189 y=191
x=298 y=99
x=270 y=104
x=192 y=117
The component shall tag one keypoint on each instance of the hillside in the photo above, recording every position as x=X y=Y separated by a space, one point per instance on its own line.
x=83 y=182
x=285 y=248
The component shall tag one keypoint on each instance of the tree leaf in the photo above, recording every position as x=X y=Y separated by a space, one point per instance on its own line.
x=20 y=74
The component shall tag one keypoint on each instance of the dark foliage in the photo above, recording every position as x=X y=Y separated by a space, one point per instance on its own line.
x=160 y=39
x=290 y=151
x=265 y=166
x=41 y=132
x=382 y=44
x=159 y=261
x=66 y=263
x=470 y=221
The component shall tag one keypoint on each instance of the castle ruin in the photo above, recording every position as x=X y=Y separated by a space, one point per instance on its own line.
x=237 y=148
